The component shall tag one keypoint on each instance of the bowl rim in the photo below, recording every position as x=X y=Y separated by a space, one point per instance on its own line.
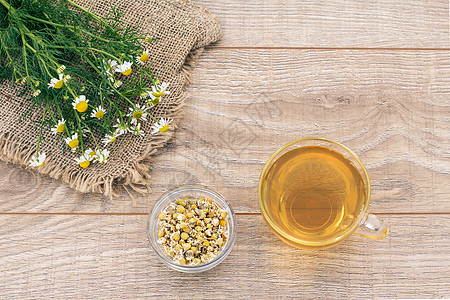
x=232 y=228
x=361 y=217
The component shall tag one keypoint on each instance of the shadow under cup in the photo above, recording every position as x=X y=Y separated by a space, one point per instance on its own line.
x=314 y=193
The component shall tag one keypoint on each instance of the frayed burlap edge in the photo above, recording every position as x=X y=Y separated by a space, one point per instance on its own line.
x=136 y=176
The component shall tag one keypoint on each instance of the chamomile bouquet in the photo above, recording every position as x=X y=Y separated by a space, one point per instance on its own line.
x=86 y=72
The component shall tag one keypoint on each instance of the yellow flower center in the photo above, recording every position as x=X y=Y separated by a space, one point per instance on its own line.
x=113 y=140
x=82 y=106
x=92 y=154
x=127 y=72
x=73 y=144
x=144 y=57
x=137 y=114
x=155 y=101
x=59 y=84
x=41 y=165
x=85 y=164
x=164 y=128
x=158 y=94
x=61 y=128
x=99 y=114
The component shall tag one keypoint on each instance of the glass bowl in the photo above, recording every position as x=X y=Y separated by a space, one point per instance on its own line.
x=191 y=191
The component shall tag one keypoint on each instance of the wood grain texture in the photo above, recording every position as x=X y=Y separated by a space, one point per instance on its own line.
x=389 y=105
x=391 y=108
x=109 y=257
x=351 y=23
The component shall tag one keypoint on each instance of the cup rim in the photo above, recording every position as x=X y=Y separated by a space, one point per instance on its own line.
x=361 y=217
x=231 y=235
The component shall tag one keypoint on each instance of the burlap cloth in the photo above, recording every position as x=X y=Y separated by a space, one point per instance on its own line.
x=184 y=30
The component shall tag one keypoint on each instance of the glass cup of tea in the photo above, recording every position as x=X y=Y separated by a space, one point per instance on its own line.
x=314 y=193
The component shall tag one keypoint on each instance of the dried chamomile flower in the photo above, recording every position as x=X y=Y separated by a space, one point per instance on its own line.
x=192 y=230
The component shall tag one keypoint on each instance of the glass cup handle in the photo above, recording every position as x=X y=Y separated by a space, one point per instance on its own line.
x=373 y=228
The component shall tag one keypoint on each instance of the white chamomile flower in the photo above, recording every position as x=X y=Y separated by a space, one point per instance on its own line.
x=121 y=128
x=98 y=112
x=110 y=138
x=138 y=114
x=137 y=130
x=143 y=58
x=67 y=78
x=90 y=154
x=158 y=91
x=36 y=93
x=56 y=83
x=112 y=64
x=161 y=126
x=124 y=68
x=72 y=141
x=61 y=69
x=102 y=156
x=38 y=160
x=59 y=127
x=83 y=161
x=80 y=103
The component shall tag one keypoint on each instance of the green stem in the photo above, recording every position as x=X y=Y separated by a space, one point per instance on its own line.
x=8 y=7
x=70 y=90
x=53 y=117
x=38 y=56
x=42 y=126
x=46 y=56
x=153 y=118
x=95 y=140
x=24 y=50
x=11 y=61
x=80 y=138
x=83 y=48
x=29 y=47
x=71 y=28
x=94 y=16
x=101 y=94
x=98 y=71
x=44 y=64
x=61 y=115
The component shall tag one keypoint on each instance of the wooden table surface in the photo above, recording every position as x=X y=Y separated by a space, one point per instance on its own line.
x=374 y=75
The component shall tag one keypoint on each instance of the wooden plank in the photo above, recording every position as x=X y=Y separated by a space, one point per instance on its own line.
x=108 y=257
x=391 y=108
x=292 y=23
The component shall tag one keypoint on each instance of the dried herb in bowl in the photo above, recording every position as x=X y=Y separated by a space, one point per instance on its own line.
x=192 y=231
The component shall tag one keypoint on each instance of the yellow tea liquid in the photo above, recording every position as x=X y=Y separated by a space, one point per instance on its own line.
x=313 y=193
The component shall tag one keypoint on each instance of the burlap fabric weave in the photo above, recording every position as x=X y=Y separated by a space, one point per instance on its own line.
x=184 y=30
